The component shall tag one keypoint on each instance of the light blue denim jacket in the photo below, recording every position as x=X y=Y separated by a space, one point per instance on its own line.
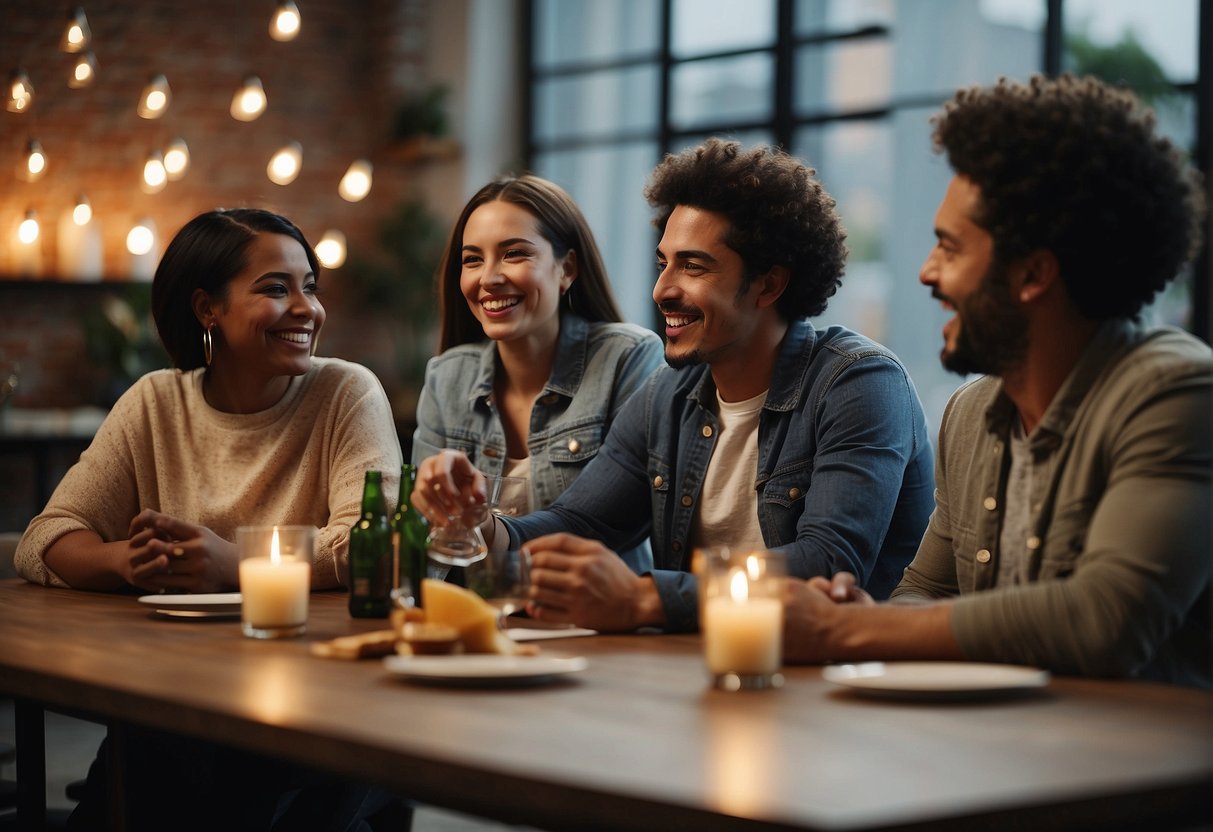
x=845 y=476
x=597 y=367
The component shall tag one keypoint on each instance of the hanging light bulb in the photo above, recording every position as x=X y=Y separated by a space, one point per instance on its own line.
x=330 y=251
x=141 y=238
x=285 y=165
x=20 y=92
x=82 y=214
x=176 y=159
x=83 y=72
x=155 y=97
x=34 y=164
x=249 y=101
x=76 y=35
x=356 y=183
x=286 y=22
x=154 y=175
x=27 y=231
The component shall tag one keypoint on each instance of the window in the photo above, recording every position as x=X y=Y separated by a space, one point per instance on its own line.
x=846 y=85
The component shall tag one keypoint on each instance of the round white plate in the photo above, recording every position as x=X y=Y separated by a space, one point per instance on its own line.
x=202 y=605
x=483 y=669
x=935 y=679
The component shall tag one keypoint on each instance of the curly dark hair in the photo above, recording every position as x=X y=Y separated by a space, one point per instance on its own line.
x=779 y=214
x=1074 y=166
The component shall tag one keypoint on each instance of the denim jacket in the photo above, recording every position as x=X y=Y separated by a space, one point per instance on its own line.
x=845 y=477
x=597 y=367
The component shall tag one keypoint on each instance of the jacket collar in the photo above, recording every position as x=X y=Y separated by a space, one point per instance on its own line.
x=787 y=379
x=568 y=366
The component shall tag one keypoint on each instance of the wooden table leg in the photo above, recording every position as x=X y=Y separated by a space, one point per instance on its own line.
x=31 y=764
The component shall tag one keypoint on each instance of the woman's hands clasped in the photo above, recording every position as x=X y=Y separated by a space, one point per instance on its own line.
x=170 y=555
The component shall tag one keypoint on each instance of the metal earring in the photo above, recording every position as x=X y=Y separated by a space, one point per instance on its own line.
x=208 y=345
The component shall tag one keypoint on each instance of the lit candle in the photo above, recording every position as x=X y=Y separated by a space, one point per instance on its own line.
x=742 y=619
x=274 y=592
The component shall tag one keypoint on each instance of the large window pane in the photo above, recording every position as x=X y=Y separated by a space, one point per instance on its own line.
x=1143 y=44
x=700 y=27
x=608 y=183
x=596 y=104
x=593 y=30
x=945 y=44
x=722 y=91
x=843 y=75
x=815 y=17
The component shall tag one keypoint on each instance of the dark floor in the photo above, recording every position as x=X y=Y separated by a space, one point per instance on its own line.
x=72 y=743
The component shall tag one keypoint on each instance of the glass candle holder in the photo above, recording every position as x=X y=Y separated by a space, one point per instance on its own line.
x=741 y=617
x=275 y=579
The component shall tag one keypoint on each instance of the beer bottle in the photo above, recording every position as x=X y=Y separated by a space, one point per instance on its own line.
x=409 y=532
x=371 y=553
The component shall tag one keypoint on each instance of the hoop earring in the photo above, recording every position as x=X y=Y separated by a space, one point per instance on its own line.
x=568 y=296
x=208 y=345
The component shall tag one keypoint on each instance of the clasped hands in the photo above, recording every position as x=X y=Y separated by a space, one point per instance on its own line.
x=170 y=555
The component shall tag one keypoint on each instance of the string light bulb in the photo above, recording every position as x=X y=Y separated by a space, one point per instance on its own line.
x=154 y=175
x=286 y=22
x=76 y=35
x=356 y=183
x=176 y=159
x=154 y=100
x=330 y=251
x=20 y=95
x=82 y=214
x=35 y=162
x=285 y=164
x=249 y=101
x=141 y=237
x=84 y=71
x=27 y=231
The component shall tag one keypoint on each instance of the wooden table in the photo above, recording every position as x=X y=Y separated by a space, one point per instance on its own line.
x=637 y=741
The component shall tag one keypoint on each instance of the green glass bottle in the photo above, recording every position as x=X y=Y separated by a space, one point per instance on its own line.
x=409 y=532
x=371 y=554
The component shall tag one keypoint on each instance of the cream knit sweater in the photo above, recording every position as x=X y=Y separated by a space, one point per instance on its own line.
x=163 y=447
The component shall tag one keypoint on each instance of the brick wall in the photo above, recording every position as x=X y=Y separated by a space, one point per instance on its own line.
x=334 y=89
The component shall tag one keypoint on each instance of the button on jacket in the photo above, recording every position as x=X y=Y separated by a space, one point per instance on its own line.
x=597 y=367
x=844 y=475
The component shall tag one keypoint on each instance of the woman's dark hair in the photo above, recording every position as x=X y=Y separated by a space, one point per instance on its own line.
x=206 y=254
x=560 y=222
x=1074 y=166
x=779 y=215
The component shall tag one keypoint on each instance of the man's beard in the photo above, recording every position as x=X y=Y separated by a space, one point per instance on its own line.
x=992 y=334
x=689 y=360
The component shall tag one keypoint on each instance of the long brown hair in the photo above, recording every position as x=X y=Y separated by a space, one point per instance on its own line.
x=560 y=222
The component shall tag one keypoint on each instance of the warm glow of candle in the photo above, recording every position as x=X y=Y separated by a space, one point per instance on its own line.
x=274 y=589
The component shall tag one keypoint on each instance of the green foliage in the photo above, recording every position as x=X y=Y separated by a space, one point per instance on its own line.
x=398 y=278
x=118 y=334
x=422 y=114
x=1126 y=63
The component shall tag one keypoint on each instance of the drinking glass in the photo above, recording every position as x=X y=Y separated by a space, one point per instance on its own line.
x=503 y=579
x=459 y=542
x=508 y=496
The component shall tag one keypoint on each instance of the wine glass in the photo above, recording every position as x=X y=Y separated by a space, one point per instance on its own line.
x=503 y=579
x=459 y=542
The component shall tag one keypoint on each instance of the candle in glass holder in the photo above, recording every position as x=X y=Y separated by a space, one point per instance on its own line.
x=275 y=578
x=741 y=617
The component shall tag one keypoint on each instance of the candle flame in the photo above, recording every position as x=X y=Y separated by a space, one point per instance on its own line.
x=275 y=556
x=753 y=566
x=739 y=586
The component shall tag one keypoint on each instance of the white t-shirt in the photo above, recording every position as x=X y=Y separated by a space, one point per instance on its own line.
x=727 y=513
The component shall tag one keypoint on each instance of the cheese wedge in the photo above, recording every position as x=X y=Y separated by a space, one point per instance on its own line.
x=469 y=614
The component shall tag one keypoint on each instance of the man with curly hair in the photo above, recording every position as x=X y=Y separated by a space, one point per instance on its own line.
x=763 y=432
x=1072 y=525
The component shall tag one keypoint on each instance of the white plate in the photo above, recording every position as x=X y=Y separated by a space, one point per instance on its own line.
x=202 y=605
x=935 y=679
x=478 y=669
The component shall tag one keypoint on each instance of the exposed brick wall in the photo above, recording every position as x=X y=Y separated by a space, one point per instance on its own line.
x=334 y=89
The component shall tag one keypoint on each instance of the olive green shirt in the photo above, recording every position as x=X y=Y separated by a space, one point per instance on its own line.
x=1117 y=558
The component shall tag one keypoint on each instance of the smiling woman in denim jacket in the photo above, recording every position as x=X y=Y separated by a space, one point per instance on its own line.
x=534 y=363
